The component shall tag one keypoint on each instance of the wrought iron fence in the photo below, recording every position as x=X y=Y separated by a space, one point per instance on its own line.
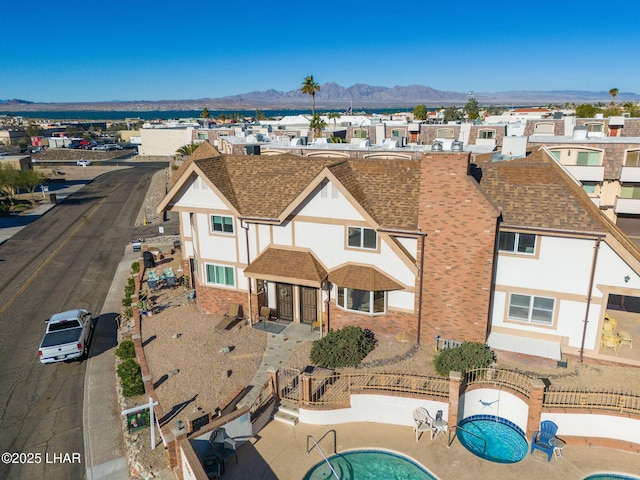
x=265 y=394
x=603 y=400
x=507 y=378
x=335 y=390
x=289 y=383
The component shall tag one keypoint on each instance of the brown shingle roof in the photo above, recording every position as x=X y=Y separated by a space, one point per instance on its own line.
x=262 y=186
x=363 y=277
x=285 y=264
x=536 y=192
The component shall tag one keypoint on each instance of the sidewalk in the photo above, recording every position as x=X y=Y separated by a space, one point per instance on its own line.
x=9 y=226
x=105 y=457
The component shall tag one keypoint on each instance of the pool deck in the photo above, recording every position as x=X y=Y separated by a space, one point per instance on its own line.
x=279 y=452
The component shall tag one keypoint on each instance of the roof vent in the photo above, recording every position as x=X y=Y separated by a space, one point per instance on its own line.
x=457 y=146
x=436 y=146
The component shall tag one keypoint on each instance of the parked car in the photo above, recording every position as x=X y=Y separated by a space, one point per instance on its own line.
x=83 y=163
x=67 y=336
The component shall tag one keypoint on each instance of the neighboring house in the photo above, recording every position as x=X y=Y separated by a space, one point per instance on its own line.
x=12 y=136
x=416 y=248
x=18 y=162
x=165 y=139
x=605 y=160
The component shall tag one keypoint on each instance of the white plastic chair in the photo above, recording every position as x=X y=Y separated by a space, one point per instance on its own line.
x=421 y=422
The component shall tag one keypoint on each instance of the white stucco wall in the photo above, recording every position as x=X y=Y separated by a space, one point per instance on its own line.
x=163 y=141
x=197 y=194
x=601 y=426
x=374 y=408
x=503 y=404
x=561 y=271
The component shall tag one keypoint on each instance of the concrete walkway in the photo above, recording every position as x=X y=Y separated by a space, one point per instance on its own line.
x=280 y=347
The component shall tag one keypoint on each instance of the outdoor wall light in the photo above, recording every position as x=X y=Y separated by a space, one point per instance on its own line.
x=626 y=279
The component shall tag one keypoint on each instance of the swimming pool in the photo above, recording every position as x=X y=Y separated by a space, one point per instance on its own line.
x=610 y=476
x=493 y=438
x=369 y=465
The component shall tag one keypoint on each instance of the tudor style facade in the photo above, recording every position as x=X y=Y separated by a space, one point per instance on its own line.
x=340 y=241
x=416 y=248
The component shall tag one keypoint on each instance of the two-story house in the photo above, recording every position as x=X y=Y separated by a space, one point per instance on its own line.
x=512 y=252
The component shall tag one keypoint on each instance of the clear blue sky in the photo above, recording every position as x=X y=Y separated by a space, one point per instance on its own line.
x=72 y=51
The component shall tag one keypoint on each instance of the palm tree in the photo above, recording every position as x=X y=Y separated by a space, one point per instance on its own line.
x=310 y=87
x=205 y=113
x=317 y=124
x=614 y=93
x=334 y=116
x=187 y=149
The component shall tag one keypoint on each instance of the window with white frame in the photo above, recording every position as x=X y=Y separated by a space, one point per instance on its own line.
x=365 y=301
x=487 y=134
x=557 y=154
x=361 y=237
x=221 y=224
x=220 y=275
x=513 y=242
x=632 y=159
x=595 y=127
x=531 y=309
x=588 y=158
x=444 y=133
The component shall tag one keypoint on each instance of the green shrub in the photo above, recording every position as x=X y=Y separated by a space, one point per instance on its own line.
x=125 y=350
x=130 y=287
x=135 y=268
x=130 y=378
x=342 y=348
x=466 y=357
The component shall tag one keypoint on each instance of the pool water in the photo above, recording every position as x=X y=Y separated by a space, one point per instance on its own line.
x=493 y=438
x=369 y=465
x=610 y=476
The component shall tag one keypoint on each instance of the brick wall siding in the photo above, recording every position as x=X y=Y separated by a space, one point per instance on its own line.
x=459 y=250
x=216 y=301
x=392 y=323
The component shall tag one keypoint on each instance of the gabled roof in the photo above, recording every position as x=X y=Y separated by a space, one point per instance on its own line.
x=536 y=192
x=261 y=186
x=267 y=187
x=276 y=264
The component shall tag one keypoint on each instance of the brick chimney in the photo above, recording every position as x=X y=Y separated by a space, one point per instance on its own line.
x=459 y=249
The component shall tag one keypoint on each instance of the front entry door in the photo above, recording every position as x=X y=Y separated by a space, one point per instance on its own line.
x=308 y=305
x=284 y=292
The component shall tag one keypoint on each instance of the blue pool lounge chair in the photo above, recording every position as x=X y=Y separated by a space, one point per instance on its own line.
x=541 y=439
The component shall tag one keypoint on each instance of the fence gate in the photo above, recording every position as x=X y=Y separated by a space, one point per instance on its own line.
x=289 y=382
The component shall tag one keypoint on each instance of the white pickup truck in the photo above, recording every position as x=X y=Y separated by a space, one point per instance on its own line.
x=67 y=336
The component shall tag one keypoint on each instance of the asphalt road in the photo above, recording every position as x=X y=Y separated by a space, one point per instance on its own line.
x=64 y=260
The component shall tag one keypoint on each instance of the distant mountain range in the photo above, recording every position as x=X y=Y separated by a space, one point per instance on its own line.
x=333 y=96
